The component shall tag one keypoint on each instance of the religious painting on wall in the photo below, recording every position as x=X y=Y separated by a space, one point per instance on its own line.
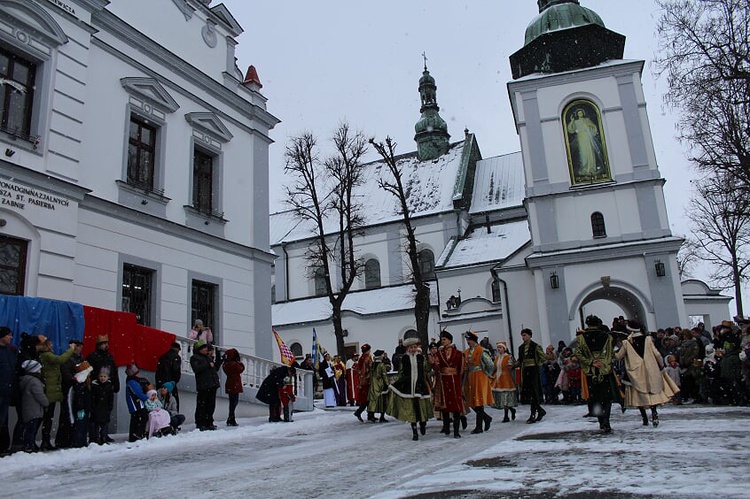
x=584 y=139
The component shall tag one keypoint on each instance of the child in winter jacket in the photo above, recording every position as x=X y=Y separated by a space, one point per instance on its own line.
x=286 y=394
x=102 y=402
x=80 y=404
x=673 y=370
x=170 y=405
x=33 y=402
x=158 y=418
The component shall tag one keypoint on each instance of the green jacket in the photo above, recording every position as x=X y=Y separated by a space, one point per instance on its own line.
x=51 y=373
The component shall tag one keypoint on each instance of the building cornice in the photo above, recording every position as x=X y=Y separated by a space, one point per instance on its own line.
x=605 y=252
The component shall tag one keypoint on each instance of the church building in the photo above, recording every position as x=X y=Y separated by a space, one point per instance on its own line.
x=536 y=238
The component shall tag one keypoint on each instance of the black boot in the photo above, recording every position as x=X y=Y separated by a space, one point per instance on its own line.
x=371 y=417
x=487 y=421
x=47 y=445
x=446 y=425
x=480 y=420
x=423 y=427
x=464 y=422
x=532 y=416
x=358 y=414
x=643 y=416
x=382 y=418
x=506 y=419
x=414 y=434
x=512 y=413
x=456 y=422
x=540 y=413
x=654 y=417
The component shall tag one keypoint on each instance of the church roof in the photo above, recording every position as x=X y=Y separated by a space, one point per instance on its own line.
x=498 y=183
x=369 y=302
x=430 y=185
x=480 y=246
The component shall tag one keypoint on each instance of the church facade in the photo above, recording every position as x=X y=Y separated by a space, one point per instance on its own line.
x=529 y=239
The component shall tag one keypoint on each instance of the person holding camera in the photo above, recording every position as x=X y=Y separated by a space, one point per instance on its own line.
x=206 y=370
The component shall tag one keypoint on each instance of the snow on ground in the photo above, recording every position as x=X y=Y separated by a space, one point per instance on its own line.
x=697 y=451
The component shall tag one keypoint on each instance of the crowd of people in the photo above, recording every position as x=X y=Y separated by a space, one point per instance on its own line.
x=622 y=364
x=34 y=380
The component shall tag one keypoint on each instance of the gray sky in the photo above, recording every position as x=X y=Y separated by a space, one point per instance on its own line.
x=332 y=60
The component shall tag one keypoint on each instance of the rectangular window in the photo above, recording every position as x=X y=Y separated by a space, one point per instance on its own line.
x=141 y=154
x=204 y=304
x=137 y=292
x=12 y=265
x=17 y=80
x=203 y=173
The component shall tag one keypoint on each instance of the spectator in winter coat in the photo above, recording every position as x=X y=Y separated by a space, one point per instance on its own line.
x=169 y=368
x=170 y=405
x=136 y=399
x=206 y=372
x=8 y=358
x=67 y=372
x=102 y=402
x=268 y=393
x=201 y=333
x=34 y=402
x=80 y=404
x=158 y=418
x=100 y=358
x=233 y=368
x=29 y=350
x=52 y=386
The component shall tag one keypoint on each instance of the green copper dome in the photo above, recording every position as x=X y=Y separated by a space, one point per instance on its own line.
x=556 y=15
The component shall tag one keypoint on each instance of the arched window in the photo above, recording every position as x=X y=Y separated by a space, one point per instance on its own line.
x=320 y=282
x=296 y=349
x=495 y=291
x=598 y=228
x=372 y=274
x=427 y=264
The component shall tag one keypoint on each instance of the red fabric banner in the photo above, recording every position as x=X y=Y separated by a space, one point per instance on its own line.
x=119 y=327
x=149 y=345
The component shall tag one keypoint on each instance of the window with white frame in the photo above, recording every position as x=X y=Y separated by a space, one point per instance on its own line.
x=141 y=154
x=17 y=78
x=13 y=254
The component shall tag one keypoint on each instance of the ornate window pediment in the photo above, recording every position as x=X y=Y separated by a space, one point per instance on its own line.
x=209 y=124
x=31 y=24
x=149 y=90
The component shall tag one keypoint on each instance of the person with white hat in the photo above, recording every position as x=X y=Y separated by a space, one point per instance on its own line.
x=34 y=402
x=410 y=399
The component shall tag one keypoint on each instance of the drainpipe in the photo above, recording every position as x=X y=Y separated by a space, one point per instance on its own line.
x=286 y=272
x=506 y=312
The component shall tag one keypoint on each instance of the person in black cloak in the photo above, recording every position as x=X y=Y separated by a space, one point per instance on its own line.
x=268 y=393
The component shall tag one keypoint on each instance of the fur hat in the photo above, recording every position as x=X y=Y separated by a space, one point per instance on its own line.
x=366 y=348
x=502 y=344
x=379 y=354
x=471 y=335
x=446 y=334
x=727 y=324
x=102 y=338
x=634 y=326
x=31 y=366
x=132 y=370
x=82 y=371
x=593 y=321
x=410 y=341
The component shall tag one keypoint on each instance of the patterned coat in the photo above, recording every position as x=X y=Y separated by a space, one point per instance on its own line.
x=449 y=370
x=364 y=365
x=478 y=384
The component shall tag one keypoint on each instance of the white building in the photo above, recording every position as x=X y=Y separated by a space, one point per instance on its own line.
x=134 y=173
x=531 y=239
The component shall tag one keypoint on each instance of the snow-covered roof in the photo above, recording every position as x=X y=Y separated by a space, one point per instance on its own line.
x=370 y=302
x=429 y=184
x=498 y=183
x=479 y=246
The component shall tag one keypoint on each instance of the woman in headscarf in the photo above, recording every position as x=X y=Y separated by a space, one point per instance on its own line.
x=503 y=382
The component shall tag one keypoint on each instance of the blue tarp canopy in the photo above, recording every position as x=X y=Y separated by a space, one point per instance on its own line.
x=60 y=321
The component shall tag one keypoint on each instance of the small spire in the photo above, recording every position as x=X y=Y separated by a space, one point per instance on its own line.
x=466 y=132
x=424 y=56
x=252 y=77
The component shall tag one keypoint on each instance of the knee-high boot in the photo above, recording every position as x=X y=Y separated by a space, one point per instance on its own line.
x=654 y=417
x=446 y=424
x=506 y=419
x=643 y=416
x=456 y=423
x=480 y=420
x=415 y=435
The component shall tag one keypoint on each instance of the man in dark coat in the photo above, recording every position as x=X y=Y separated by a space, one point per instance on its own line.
x=67 y=371
x=169 y=368
x=206 y=371
x=268 y=393
x=531 y=357
x=594 y=351
x=8 y=357
x=100 y=358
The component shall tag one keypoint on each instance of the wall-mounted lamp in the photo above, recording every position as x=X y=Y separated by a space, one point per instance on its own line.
x=9 y=152
x=554 y=281
x=661 y=270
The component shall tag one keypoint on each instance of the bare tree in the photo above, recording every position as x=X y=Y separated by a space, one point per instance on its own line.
x=687 y=257
x=322 y=195
x=387 y=150
x=705 y=55
x=719 y=216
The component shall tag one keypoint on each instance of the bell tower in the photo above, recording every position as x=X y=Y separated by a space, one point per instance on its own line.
x=431 y=130
x=594 y=194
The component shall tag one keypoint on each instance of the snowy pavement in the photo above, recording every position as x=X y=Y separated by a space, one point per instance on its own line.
x=697 y=451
